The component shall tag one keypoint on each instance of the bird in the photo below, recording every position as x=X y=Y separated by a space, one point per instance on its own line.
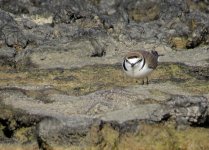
x=140 y=64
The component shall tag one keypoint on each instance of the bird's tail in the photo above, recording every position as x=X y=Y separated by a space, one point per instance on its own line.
x=155 y=53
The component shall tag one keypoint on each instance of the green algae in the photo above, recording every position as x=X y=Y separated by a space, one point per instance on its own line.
x=95 y=2
x=149 y=13
x=175 y=72
x=162 y=136
x=1 y=131
x=25 y=135
x=88 y=79
x=16 y=125
x=32 y=146
x=196 y=86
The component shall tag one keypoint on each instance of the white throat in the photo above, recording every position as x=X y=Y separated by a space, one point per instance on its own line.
x=133 y=60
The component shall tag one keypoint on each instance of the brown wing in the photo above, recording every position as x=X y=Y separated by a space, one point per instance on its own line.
x=150 y=59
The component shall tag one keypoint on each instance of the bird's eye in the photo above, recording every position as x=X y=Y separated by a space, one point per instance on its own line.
x=140 y=60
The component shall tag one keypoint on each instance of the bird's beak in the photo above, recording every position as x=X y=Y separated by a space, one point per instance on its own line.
x=132 y=65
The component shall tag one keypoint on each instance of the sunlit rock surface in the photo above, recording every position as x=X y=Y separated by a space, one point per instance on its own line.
x=62 y=85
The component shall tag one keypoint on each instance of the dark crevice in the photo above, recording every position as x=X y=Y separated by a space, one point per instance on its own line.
x=200 y=73
x=204 y=125
x=7 y=131
x=5 y=61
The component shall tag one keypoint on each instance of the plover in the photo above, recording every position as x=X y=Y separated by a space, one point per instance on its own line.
x=139 y=64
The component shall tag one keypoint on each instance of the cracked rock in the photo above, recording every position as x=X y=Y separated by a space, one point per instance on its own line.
x=188 y=109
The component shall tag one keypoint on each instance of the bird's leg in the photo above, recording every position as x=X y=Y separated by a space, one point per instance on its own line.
x=143 y=81
x=147 y=80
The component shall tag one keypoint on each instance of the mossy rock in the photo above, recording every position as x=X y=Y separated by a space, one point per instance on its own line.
x=179 y=43
x=149 y=12
x=88 y=79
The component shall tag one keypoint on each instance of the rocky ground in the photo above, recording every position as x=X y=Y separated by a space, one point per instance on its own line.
x=62 y=85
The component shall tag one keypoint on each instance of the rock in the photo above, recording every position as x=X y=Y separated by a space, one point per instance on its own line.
x=16 y=125
x=148 y=112
x=172 y=9
x=144 y=11
x=196 y=57
x=66 y=16
x=199 y=35
x=76 y=53
x=7 y=56
x=200 y=73
x=179 y=42
x=185 y=109
x=198 y=28
x=68 y=120
x=115 y=34
x=10 y=32
x=68 y=131
x=99 y=50
x=65 y=84
x=29 y=24
x=181 y=28
x=25 y=7
x=16 y=7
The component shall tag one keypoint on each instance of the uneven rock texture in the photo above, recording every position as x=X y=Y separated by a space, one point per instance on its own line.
x=62 y=85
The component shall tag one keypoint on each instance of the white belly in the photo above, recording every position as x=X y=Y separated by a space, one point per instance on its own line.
x=136 y=73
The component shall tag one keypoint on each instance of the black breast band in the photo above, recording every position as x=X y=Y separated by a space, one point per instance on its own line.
x=143 y=65
x=124 y=66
